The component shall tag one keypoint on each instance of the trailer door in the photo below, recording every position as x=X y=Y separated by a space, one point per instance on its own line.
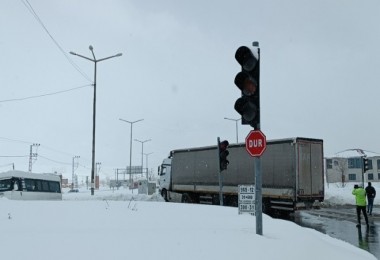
x=310 y=169
x=304 y=169
x=316 y=159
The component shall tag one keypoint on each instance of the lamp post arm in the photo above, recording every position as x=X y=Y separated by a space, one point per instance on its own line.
x=236 y=122
x=130 y=121
x=84 y=57
x=113 y=56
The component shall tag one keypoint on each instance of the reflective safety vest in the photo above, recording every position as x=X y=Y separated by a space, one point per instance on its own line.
x=360 y=196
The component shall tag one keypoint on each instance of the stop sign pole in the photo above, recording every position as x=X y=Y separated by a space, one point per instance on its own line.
x=255 y=144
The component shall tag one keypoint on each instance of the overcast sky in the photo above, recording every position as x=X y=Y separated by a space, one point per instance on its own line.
x=320 y=76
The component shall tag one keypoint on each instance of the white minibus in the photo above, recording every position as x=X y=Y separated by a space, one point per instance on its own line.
x=19 y=185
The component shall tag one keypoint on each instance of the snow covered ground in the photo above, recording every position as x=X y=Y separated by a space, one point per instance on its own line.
x=120 y=225
x=335 y=194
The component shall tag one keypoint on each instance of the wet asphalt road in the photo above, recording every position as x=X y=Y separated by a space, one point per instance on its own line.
x=340 y=222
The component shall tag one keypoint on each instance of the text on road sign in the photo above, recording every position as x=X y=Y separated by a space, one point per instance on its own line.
x=255 y=143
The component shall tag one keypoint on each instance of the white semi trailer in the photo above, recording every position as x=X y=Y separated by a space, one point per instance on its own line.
x=292 y=174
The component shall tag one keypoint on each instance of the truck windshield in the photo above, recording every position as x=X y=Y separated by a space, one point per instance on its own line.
x=5 y=185
x=163 y=170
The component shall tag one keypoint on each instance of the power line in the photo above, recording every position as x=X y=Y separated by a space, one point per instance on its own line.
x=39 y=155
x=14 y=140
x=84 y=166
x=42 y=146
x=6 y=165
x=13 y=156
x=358 y=150
x=65 y=163
x=44 y=95
x=31 y=10
x=57 y=151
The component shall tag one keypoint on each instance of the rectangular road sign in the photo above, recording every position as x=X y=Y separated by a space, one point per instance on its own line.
x=246 y=189
x=246 y=208
x=246 y=199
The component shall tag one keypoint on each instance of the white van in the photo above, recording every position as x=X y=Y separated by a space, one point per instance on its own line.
x=19 y=185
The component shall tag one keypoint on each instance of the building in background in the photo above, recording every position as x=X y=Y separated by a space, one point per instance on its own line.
x=65 y=183
x=347 y=166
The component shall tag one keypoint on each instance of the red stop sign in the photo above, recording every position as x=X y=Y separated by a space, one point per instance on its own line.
x=255 y=143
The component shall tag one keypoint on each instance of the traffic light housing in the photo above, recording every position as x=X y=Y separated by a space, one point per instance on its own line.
x=248 y=81
x=223 y=153
x=365 y=164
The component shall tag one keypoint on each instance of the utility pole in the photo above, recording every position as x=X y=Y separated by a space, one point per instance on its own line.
x=32 y=156
x=73 y=172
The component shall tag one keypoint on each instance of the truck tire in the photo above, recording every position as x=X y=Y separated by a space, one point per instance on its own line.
x=266 y=207
x=164 y=194
x=232 y=201
x=186 y=198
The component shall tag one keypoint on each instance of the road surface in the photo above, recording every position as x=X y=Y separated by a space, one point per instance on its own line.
x=340 y=222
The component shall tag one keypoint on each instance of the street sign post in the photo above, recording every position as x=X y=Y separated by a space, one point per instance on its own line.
x=255 y=143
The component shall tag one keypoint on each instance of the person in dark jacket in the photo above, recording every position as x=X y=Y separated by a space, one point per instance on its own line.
x=371 y=194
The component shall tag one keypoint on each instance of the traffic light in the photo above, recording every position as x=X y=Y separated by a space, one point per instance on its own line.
x=365 y=164
x=223 y=153
x=248 y=81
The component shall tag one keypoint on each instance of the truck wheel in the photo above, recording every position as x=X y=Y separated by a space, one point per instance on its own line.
x=164 y=194
x=266 y=208
x=186 y=198
x=232 y=201
x=308 y=204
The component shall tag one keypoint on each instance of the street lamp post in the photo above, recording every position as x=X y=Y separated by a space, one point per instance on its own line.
x=142 y=152
x=130 y=149
x=146 y=163
x=95 y=61
x=236 y=121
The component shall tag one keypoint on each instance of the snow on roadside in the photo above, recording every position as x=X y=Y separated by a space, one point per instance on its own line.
x=338 y=194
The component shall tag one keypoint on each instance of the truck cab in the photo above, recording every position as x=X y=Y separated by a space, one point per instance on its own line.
x=165 y=177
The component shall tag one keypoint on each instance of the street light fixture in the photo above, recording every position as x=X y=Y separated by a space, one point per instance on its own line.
x=130 y=149
x=95 y=61
x=142 y=152
x=236 y=121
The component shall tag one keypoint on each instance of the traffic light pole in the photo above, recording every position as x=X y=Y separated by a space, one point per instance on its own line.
x=258 y=181
x=220 y=189
x=363 y=172
x=220 y=176
x=258 y=196
x=248 y=106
